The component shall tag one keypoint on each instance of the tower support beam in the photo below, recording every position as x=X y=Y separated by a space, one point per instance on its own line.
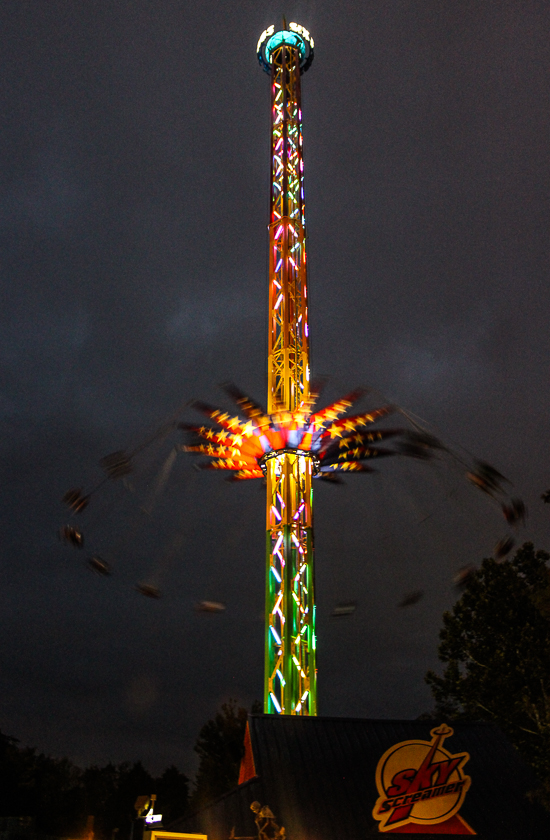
x=290 y=683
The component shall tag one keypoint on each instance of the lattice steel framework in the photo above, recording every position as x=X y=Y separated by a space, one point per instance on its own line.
x=288 y=361
x=290 y=670
x=292 y=442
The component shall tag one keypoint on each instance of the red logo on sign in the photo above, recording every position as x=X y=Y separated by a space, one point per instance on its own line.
x=422 y=786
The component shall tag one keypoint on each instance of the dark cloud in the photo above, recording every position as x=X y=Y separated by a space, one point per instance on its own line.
x=134 y=202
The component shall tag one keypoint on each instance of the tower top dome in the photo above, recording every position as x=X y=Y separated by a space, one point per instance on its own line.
x=294 y=35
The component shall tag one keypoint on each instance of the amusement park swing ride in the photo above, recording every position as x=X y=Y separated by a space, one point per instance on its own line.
x=292 y=442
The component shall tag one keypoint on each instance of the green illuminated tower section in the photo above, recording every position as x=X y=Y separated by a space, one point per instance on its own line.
x=290 y=669
x=292 y=442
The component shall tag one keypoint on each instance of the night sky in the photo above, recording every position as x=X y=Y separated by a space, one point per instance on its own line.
x=133 y=210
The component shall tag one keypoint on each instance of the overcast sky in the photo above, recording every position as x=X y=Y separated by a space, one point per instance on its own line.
x=134 y=164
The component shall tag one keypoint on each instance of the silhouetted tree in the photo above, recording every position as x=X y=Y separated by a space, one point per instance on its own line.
x=220 y=746
x=100 y=785
x=11 y=775
x=172 y=790
x=495 y=644
x=35 y=785
x=132 y=781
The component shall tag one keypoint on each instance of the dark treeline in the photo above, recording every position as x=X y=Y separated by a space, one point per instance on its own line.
x=60 y=796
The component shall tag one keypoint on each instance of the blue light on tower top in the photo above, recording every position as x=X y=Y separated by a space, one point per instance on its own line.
x=285 y=37
x=295 y=36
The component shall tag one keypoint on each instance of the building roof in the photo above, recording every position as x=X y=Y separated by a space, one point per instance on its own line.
x=318 y=776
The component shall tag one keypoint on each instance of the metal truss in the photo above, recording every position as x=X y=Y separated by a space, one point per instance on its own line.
x=293 y=442
x=288 y=364
x=290 y=673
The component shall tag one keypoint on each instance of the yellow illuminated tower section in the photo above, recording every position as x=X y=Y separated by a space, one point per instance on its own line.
x=290 y=672
x=292 y=442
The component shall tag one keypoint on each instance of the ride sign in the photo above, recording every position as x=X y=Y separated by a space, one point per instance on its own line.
x=421 y=782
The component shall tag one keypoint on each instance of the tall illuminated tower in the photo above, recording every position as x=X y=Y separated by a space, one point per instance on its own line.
x=290 y=672
x=292 y=442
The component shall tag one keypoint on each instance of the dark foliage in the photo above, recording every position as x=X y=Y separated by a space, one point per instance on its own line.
x=60 y=796
x=35 y=785
x=117 y=810
x=172 y=790
x=495 y=644
x=220 y=746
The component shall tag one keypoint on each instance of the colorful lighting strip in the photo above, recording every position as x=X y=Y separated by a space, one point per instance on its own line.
x=288 y=368
x=290 y=669
x=291 y=444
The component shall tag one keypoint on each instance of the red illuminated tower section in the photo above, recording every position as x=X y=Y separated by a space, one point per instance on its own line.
x=292 y=442
x=288 y=363
x=290 y=671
